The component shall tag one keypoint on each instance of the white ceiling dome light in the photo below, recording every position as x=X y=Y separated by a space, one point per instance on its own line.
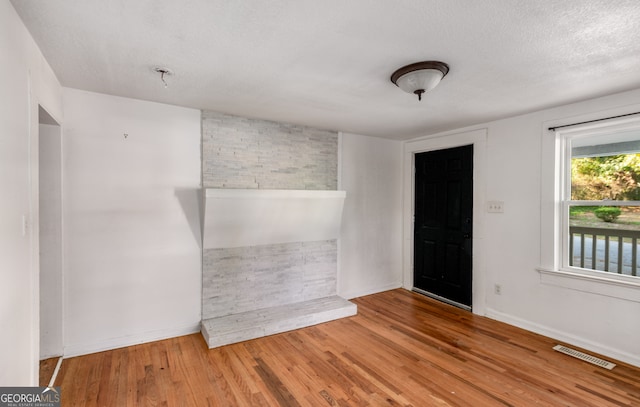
x=420 y=77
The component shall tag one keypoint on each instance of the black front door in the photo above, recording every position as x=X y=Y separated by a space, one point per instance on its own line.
x=443 y=224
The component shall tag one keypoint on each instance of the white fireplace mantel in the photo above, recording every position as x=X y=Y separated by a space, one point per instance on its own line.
x=252 y=217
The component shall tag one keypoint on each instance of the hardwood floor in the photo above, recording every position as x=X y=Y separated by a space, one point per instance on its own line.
x=47 y=367
x=402 y=349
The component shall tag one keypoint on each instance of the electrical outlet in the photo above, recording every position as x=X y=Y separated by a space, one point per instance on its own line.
x=495 y=206
x=497 y=289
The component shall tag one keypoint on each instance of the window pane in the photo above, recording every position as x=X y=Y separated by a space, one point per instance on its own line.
x=605 y=238
x=614 y=177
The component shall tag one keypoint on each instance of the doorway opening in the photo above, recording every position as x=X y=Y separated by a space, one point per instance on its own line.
x=443 y=225
x=50 y=237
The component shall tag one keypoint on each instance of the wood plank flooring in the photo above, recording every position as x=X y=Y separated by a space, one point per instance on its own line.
x=402 y=349
x=47 y=367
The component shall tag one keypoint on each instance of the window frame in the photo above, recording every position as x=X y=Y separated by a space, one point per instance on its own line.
x=566 y=140
x=555 y=187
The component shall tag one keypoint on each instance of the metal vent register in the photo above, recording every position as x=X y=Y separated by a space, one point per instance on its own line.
x=584 y=356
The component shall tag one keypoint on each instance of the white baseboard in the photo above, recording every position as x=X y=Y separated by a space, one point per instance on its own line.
x=369 y=290
x=124 y=341
x=564 y=337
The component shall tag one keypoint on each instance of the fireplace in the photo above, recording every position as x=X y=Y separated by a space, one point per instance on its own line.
x=269 y=262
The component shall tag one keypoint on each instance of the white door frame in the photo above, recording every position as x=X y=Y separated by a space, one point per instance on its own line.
x=479 y=140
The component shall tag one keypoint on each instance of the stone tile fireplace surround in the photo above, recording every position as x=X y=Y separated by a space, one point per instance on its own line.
x=271 y=223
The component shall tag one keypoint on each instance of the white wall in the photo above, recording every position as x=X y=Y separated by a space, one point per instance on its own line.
x=26 y=80
x=50 y=188
x=603 y=323
x=370 y=246
x=131 y=217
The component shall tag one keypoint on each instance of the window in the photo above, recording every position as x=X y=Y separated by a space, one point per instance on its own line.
x=599 y=198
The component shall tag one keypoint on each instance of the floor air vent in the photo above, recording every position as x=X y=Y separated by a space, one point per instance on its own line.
x=584 y=356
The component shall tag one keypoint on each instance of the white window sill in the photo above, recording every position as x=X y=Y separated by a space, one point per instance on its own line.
x=614 y=285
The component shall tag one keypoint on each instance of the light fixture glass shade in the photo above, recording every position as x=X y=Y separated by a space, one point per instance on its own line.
x=420 y=77
x=424 y=79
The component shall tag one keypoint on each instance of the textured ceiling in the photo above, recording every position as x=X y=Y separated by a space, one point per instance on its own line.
x=326 y=63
